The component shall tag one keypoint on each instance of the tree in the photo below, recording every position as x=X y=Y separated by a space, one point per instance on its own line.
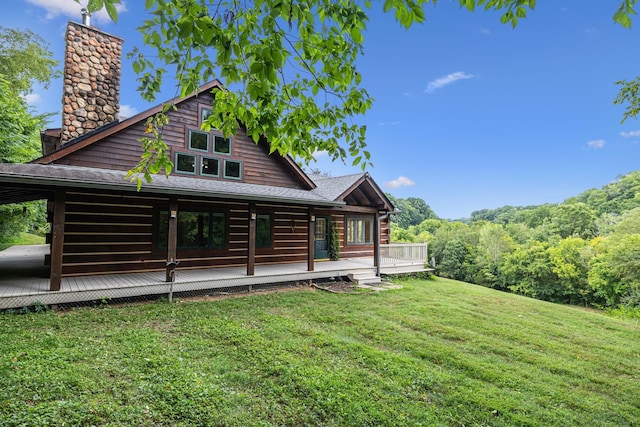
x=25 y=59
x=574 y=219
x=289 y=65
x=413 y=211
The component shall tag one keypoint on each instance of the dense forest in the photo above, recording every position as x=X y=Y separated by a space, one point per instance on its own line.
x=583 y=251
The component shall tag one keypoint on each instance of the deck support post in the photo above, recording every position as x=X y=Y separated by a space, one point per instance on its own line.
x=172 y=239
x=57 y=240
x=311 y=239
x=376 y=242
x=251 y=244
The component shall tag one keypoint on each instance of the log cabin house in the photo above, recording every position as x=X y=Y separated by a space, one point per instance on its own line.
x=228 y=203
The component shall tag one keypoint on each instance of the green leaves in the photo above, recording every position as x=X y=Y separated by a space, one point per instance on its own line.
x=289 y=65
x=624 y=12
x=630 y=95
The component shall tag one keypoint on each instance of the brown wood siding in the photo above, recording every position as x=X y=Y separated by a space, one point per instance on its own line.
x=122 y=151
x=289 y=244
x=351 y=251
x=107 y=234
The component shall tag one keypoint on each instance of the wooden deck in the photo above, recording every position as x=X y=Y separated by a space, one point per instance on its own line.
x=24 y=280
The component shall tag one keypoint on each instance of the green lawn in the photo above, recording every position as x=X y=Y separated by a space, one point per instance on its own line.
x=23 y=239
x=437 y=352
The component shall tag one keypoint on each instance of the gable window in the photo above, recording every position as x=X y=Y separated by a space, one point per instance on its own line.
x=221 y=145
x=185 y=163
x=209 y=166
x=359 y=231
x=198 y=140
x=204 y=114
x=233 y=169
x=196 y=230
x=263 y=231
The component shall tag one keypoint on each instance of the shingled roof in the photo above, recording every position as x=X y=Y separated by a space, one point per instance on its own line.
x=36 y=176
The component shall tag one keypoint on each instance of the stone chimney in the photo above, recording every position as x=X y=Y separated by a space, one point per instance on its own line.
x=91 y=89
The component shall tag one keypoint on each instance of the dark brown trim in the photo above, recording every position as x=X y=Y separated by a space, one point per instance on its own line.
x=311 y=240
x=172 y=238
x=379 y=193
x=57 y=242
x=251 y=244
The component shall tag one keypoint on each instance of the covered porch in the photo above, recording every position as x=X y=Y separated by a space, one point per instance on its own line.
x=24 y=280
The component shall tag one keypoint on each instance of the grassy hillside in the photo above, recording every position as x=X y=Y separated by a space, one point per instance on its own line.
x=433 y=353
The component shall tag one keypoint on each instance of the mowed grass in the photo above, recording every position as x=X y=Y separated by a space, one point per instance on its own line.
x=23 y=239
x=437 y=352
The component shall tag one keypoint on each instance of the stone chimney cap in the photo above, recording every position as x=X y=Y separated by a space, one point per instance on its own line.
x=86 y=17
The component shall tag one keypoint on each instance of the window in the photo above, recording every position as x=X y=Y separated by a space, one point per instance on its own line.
x=221 y=145
x=204 y=114
x=263 y=231
x=198 y=140
x=185 y=163
x=232 y=169
x=359 y=231
x=209 y=166
x=196 y=230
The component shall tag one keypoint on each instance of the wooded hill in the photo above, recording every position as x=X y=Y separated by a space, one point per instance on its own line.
x=585 y=250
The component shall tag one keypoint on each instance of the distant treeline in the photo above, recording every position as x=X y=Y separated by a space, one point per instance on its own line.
x=584 y=251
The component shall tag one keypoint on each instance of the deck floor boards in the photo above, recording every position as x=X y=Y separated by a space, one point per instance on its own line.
x=22 y=280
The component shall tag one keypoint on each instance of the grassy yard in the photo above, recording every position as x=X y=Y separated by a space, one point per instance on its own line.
x=435 y=353
x=23 y=239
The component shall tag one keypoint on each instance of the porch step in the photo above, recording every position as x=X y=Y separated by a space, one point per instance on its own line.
x=364 y=278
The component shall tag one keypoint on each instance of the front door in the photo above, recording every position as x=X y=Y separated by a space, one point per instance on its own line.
x=321 y=247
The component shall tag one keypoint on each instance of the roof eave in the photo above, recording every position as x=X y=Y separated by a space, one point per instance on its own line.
x=151 y=189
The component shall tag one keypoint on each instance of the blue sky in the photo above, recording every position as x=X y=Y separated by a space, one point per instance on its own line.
x=468 y=113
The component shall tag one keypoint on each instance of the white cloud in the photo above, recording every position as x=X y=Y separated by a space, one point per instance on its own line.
x=71 y=9
x=447 y=80
x=32 y=98
x=321 y=153
x=631 y=134
x=128 y=111
x=596 y=144
x=401 y=181
x=485 y=31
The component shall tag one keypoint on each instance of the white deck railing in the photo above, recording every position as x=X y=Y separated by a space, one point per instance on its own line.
x=400 y=253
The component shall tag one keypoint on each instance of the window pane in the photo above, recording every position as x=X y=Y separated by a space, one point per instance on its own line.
x=222 y=145
x=198 y=140
x=193 y=229
x=217 y=230
x=210 y=166
x=263 y=231
x=185 y=163
x=232 y=169
x=163 y=229
x=206 y=112
x=359 y=231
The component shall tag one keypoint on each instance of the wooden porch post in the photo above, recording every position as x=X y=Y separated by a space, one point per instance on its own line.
x=57 y=240
x=311 y=239
x=251 y=247
x=376 y=243
x=172 y=238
